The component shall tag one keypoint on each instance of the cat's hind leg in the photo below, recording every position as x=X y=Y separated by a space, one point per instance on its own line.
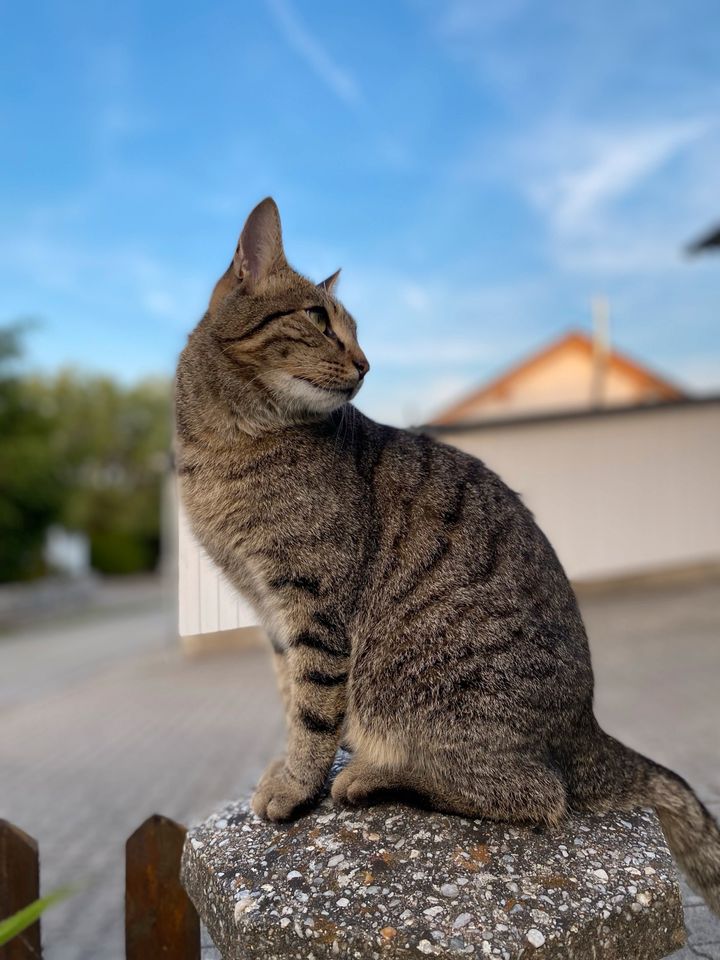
x=516 y=789
x=360 y=781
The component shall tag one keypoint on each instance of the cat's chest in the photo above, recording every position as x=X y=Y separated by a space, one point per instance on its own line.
x=268 y=516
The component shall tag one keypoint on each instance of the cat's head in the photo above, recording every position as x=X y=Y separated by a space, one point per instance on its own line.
x=284 y=346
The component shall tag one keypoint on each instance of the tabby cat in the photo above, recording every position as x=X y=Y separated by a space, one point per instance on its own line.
x=414 y=607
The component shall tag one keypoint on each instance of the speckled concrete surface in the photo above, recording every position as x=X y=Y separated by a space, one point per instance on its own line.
x=394 y=881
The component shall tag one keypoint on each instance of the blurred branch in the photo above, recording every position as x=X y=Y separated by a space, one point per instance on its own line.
x=709 y=241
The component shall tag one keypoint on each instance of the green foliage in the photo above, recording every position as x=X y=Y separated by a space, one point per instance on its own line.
x=13 y=926
x=118 y=551
x=110 y=442
x=89 y=453
x=30 y=497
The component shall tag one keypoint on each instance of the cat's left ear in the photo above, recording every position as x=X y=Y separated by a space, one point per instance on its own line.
x=328 y=285
x=259 y=253
x=260 y=248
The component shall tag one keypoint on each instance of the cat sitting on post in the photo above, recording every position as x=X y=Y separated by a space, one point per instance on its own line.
x=415 y=608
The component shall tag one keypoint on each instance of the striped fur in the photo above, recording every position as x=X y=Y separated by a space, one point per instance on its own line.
x=415 y=608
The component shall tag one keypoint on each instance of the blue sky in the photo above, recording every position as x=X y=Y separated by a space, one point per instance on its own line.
x=479 y=170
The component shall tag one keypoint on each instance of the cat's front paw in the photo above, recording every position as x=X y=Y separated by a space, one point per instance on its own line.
x=279 y=796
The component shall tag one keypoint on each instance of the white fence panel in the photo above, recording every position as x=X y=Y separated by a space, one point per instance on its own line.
x=207 y=602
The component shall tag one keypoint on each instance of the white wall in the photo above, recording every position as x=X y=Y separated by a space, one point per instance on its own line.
x=615 y=493
x=206 y=601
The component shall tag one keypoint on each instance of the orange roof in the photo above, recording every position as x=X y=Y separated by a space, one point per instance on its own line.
x=574 y=339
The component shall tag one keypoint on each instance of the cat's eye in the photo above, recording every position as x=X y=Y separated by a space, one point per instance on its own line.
x=319 y=317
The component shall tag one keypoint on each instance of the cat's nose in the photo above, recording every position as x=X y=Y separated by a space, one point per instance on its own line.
x=361 y=365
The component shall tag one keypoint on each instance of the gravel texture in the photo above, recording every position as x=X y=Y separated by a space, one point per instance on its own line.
x=394 y=881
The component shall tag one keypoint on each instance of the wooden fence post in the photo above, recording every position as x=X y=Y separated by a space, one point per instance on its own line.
x=19 y=886
x=160 y=920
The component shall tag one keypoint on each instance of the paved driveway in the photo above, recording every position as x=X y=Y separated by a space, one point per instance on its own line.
x=657 y=664
x=104 y=722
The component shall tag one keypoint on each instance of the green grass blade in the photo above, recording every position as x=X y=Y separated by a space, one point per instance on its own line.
x=13 y=926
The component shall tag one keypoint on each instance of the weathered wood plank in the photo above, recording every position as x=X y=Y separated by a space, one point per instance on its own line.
x=19 y=886
x=160 y=920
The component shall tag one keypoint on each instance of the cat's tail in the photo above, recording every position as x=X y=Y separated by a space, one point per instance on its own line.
x=611 y=776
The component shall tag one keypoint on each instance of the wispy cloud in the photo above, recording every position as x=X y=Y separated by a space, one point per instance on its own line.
x=118 y=112
x=616 y=163
x=459 y=17
x=614 y=199
x=56 y=264
x=617 y=157
x=306 y=45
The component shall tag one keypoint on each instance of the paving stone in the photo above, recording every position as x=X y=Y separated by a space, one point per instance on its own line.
x=704 y=927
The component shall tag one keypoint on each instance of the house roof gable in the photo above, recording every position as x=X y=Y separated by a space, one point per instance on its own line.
x=572 y=340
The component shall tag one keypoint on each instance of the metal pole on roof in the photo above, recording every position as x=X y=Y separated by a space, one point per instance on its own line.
x=601 y=350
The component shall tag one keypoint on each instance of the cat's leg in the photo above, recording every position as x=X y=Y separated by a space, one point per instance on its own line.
x=283 y=680
x=316 y=671
x=359 y=781
x=516 y=789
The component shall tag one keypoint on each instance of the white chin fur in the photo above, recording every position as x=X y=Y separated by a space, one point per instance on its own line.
x=304 y=396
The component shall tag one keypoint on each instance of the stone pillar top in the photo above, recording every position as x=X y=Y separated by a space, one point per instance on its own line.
x=394 y=881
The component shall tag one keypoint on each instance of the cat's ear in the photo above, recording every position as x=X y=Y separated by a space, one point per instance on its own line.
x=327 y=285
x=260 y=250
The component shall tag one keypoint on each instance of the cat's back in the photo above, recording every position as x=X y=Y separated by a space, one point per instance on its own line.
x=474 y=604
x=460 y=555
x=430 y=492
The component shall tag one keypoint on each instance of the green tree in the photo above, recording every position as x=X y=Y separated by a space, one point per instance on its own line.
x=84 y=451
x=111 y=444
x=30 y=495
